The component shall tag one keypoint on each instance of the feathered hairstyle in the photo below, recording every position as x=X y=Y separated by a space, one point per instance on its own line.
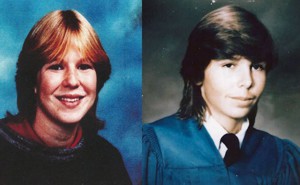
x=48 y=40
x=222 y=34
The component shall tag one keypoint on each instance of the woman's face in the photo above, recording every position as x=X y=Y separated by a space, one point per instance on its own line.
x=232 y=87
x=66 y=89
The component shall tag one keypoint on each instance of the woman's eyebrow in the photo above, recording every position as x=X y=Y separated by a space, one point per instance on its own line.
x=59 y=61
x=53 y=62
x=85 y=60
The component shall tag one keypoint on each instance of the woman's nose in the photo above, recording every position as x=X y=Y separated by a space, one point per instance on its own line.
x=71 y=79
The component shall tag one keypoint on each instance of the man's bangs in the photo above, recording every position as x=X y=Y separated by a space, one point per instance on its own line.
x=252 y=50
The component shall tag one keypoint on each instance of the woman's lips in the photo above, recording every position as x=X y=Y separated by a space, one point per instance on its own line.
x=70 y=101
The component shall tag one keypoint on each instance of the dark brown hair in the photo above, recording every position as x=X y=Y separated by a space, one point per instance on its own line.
x=224 y=33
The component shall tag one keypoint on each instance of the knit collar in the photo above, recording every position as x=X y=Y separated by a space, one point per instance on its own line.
x=25 y=130
x=40 y=150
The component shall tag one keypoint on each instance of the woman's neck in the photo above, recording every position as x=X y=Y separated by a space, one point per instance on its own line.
x=55 y=134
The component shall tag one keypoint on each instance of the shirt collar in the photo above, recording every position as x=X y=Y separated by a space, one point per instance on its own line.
x=216 y=131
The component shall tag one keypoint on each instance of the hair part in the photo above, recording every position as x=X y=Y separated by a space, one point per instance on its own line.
x=224 y=33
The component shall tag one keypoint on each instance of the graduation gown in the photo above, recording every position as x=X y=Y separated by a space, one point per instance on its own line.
x=181 y=152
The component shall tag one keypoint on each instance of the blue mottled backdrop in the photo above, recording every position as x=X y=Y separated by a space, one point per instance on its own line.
x=118 y=23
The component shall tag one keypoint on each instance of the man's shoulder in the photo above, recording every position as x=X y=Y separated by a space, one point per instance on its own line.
x=170 y=123
x=270 y=145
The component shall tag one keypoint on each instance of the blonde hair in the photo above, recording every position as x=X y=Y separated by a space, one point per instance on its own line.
x=58 y=30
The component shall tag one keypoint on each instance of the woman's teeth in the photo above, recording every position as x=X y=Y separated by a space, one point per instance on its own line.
x=71 y=100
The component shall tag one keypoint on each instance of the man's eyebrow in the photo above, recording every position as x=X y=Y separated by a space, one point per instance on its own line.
x=237 y=57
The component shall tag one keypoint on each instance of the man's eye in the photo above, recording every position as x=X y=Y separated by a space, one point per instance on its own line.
x=228 y=65
x=85 y=66
x=56 y=67
x=259 y=67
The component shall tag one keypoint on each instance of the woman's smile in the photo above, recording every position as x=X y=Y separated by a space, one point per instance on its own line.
x=67 y=88
x=70 y=100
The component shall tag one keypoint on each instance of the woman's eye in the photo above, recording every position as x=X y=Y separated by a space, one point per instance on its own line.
x=56 y=67
x=259 y=67
x=85 y=66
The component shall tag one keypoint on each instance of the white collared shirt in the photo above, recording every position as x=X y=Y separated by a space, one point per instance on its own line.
x=216 y=132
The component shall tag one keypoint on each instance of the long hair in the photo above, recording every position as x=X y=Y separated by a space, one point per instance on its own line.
x=48 y=40
x=222 y=34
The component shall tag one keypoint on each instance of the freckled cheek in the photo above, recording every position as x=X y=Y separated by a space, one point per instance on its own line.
x=48 y=84
x=90 y=83
x=92 y=88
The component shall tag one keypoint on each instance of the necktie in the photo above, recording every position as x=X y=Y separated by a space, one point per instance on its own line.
x=233 y=148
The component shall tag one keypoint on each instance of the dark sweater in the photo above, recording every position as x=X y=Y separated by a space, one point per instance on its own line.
x=93 y=161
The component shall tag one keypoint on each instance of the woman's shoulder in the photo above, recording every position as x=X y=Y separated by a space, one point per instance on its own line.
x=8 y=136
x=99 y=144
x=105 y=156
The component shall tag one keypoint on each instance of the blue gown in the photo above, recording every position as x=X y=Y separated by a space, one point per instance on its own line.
x=181 y=152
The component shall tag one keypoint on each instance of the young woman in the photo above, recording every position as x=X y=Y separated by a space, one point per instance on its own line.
x=53 y=139
x=212 y=139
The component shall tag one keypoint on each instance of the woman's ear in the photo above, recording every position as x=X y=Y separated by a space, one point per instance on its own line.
x=35 y=90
